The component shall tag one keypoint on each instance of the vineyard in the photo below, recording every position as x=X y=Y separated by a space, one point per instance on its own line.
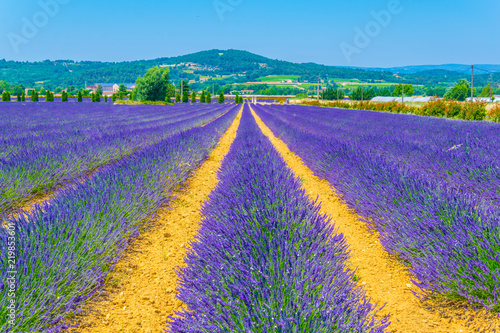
x=308 y=219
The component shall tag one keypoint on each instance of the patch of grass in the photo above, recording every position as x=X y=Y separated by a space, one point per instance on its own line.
x=271 y=78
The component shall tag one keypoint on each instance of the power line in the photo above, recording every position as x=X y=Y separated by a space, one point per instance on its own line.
x=487 y=71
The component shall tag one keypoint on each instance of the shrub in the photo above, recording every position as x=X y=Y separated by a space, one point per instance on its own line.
x=5 y=96
x=494 y=114
x=473 y=111
x=434 y=109
x=453 y=109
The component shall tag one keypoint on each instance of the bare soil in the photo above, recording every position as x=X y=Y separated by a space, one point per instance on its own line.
x=140 y=293
x=385 y=279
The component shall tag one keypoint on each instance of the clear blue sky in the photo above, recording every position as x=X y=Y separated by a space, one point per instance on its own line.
x=419 y=32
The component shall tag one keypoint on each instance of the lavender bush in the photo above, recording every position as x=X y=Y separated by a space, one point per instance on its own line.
x=265 y=259
x=429 y=186
x=65 y=249
x=46 y=145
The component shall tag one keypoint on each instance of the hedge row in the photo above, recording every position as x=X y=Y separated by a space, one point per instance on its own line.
x=440 y=108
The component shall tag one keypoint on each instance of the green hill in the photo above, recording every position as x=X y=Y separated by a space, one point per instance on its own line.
x=211 y=63
x=227 y=66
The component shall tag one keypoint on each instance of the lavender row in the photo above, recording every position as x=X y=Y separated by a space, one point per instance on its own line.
x=39 y=126
x=265 y=259
x=65 y=249
x=26 y=129
x=52 y=156
x=457 y=153
x=448 y=236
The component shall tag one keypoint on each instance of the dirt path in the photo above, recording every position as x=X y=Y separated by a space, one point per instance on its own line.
x=140 y=292
x=385 y=279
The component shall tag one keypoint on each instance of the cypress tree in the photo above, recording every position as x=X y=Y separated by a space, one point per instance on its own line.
x=80 y=98
x=64 y=96
x=23 y=97
x=105 y=99
x=237 y=99
x=177 y=98
x=221 y=98
x=202 y=97
x=185 y=97
x=5 y=97
x=113 y=98
x=193 y=97
x=18 y=97
x=168 y=99
x=131 y=97
x=209 y=97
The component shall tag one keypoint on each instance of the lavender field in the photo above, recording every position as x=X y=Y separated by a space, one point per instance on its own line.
x=430 y=187
x=267 y=256
x=47 y=145
x=65 y=248
x=265 y=259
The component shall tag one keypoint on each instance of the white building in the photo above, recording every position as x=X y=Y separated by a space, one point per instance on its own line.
x=480 y=99
x=400 y=99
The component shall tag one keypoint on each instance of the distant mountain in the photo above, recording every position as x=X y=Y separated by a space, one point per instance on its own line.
x=448 y=67
x=231 y=66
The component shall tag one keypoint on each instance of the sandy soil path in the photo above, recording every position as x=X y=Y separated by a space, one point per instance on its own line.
x=385 y=279
x=140 y=292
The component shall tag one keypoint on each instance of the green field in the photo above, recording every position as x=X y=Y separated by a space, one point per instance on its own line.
x=272 y=78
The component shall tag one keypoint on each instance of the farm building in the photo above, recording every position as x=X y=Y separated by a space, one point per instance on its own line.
x=109 y=88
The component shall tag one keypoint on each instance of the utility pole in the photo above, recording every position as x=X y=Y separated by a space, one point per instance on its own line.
x=472 y=86
x=362 y=94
